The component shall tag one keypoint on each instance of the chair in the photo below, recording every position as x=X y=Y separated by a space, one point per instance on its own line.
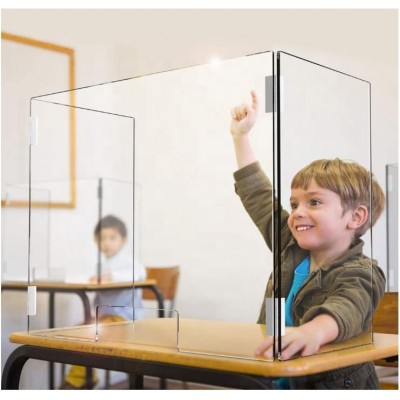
x=167 y=282
x=386 y=321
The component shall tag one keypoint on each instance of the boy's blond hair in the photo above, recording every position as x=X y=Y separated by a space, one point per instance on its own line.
x=352 y=182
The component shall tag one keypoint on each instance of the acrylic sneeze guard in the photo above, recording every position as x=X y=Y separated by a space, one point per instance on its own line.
x=103 y=186
x=322 y=113
x=14 y=228
x=167 y=135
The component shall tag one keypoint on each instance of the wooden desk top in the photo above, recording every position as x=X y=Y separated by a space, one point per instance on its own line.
x=156 y=340
x=77 y=286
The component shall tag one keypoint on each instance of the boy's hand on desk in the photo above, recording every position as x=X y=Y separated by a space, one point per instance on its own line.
x=293 y=342
x=305 y=339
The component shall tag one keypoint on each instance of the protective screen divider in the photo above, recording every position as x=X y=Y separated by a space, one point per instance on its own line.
x=321 y=114
x=168 y=134
x=83 y=242
x=189 y=213
x=392 y=218
x=14 y=230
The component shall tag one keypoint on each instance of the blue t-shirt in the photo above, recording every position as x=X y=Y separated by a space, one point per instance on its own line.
x=301 y=273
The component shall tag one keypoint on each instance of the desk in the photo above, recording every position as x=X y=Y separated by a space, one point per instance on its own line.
x=164 y=360
x=81 y=289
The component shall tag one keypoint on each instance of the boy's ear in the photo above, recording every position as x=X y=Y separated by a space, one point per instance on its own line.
x=359 y=217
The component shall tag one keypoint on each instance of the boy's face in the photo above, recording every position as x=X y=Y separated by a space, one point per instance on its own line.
x=318 y=223
x=110 y=242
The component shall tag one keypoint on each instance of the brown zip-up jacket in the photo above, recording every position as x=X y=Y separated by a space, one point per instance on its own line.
x=348 y=288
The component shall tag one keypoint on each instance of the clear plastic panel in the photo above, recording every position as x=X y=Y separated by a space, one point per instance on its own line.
x=168 y=133
x=392 y=218
x=15 y=241
x=322 y=114
x=53 y=237
x=181 y=161
x=77 y=253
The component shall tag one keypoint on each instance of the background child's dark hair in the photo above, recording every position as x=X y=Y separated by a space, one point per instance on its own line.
x=110 y=221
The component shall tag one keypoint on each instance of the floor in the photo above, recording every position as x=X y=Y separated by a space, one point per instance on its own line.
x=151 y=383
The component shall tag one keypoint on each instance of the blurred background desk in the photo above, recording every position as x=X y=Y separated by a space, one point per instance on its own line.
x=82 y=290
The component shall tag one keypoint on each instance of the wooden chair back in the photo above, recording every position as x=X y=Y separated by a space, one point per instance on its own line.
x=386 y=320
x=386 y=317
x=167 y=281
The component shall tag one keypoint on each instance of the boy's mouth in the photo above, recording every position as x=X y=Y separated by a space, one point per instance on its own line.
x=301 y=228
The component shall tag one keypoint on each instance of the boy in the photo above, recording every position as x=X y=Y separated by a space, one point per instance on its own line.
x=110 y=235
x=330 y=288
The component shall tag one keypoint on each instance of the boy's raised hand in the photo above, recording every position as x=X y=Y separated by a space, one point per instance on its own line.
x=244 y=117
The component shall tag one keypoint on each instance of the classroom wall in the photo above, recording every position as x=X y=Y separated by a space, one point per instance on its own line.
x=369 y=52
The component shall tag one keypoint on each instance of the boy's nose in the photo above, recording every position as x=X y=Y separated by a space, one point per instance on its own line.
x=299 y=212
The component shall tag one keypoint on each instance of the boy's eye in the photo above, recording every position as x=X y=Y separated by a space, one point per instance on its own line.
x=314 y=202
x=293 y=206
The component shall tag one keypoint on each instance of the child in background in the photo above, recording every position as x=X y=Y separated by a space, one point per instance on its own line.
x=331 y=288
x=110 y=236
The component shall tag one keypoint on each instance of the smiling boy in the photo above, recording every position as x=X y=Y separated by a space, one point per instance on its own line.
x=331 y=288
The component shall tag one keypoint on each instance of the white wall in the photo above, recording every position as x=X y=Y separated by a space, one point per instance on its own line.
x=126 y=43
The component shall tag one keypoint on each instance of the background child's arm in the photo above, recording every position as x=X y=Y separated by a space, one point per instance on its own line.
x=104 y=278
x=243 y=119
x=140 y=271
x=305 y=339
